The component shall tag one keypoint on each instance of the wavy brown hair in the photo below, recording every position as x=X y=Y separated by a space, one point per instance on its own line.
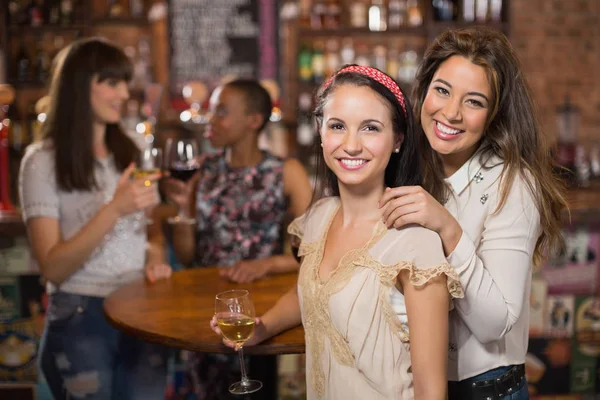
x=69 y=122
x=512 y=133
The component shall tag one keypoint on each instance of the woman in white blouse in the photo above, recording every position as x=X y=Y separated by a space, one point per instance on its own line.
x=501 y=203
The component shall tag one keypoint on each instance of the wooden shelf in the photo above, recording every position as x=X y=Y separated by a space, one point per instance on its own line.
x=306 y=32
x=24 y=29
x=28 y=85
x=139 y=22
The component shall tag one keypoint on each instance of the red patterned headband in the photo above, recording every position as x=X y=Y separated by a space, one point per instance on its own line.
x=376 y=75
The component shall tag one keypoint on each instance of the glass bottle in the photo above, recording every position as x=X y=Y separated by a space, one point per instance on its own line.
x=377 y=16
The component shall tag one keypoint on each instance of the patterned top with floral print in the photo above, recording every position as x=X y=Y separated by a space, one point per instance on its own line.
x=240 y=211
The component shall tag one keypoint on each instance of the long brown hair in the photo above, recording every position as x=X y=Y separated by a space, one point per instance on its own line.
x=70 y=117
x=513 y=132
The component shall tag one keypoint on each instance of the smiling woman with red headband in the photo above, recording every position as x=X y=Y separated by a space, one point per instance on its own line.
x=356 y=346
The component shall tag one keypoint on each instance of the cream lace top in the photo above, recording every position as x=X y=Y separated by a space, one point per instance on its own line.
x=356 y=344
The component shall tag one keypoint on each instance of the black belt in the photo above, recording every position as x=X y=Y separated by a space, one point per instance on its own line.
x=488 y=389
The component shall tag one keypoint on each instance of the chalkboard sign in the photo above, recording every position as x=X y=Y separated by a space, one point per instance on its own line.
x=211 y=39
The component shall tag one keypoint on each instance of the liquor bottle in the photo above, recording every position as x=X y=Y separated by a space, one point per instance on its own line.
x=36 y=13
x=415 y=13
x=347 y=53
x=380 y=57
x=318 y=62
x=332 y=57
x=42 y=63
x=393 y=62
x=468 y=10
x=115 y=9
x=304 y=18
x=305 y=64
x=66 y=12
x=358 y=14
x=377 y=16
x=333 y=14
x=54 y=13
x=481 y=10
x=136 y=8
x=14 y=13
x=23 y=64
x=317 y=18
x=397 y=10
x=495 y=10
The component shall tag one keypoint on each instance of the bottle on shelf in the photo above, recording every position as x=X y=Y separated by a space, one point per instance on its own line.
x=36 y=12
x=332 y=57
x=347 y=53
x=317 y=17
x=397 y=13
x=362 y=54
x=305 y=13
x=136 y=8
x=318 y=62
x=115 y=9
x=333 y=14
x=495 y=10
x=53 y=12
x=43 y=63
x=393 y=62
x=468 y=10
x=415 y=13
x=305 y=63
x=377 y=16
x=358 y=14
x=380 y=57
x=444 y=10
x=481 y=10
x=23 y=65
x=408 y=67
x=66 y=12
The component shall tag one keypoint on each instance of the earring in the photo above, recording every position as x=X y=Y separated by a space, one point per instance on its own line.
x=321 y=144
x=397 y=150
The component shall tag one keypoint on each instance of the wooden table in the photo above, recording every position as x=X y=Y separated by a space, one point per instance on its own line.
x=176 y=312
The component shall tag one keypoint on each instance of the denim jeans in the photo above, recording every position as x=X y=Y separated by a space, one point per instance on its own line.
x=521 y=394
x=83 y=357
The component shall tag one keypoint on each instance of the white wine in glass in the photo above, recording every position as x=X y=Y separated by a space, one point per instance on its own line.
x=235 y=315
x=150 y=163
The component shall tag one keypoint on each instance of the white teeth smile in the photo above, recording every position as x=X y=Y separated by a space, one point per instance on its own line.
x=352 y=163
x=447 y=130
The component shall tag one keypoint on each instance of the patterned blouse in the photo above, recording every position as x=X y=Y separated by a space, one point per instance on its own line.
x=239 y=211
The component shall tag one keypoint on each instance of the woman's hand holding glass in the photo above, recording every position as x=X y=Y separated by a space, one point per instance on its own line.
x=235 y=320
x=133 y=195
x=183 y=162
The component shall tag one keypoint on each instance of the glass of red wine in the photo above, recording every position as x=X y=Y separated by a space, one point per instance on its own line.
x=182 y=162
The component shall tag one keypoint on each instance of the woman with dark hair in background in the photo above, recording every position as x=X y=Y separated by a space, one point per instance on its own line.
x=356 y=346
x=498 y=211
x=86 y=224
x=240 y=199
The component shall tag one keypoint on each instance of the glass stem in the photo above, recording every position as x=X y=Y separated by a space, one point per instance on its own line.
x=244 y=381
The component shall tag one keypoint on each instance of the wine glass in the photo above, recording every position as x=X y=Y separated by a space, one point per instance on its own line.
x=182 y=162
x=235 y=315
x=150 y=163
